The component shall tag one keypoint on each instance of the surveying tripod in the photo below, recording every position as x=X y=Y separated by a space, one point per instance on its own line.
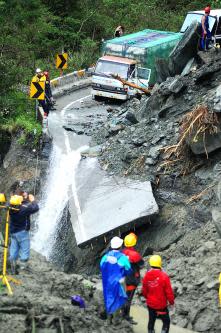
x=4 y=277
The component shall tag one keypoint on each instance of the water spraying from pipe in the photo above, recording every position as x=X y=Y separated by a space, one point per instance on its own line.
x=55 y=197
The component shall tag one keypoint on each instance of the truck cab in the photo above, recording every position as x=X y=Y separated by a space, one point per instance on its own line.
x=105 y=85
x=214 y=23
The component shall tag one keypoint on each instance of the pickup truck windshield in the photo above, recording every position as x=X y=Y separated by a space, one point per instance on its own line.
x=110 y=67
x=196 y=17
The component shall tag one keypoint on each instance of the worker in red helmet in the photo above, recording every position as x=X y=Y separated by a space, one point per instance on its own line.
x=133 y=279
x=48 y=93
x=205 y=32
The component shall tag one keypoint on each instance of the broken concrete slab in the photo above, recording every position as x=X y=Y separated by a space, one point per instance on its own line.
x=107 y=204
x=92 y=151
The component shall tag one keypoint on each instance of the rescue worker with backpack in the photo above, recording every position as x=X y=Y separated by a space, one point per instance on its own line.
x=132 y=280
x=157 y=290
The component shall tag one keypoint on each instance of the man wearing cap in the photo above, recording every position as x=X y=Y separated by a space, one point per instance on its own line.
x=19 y=229
x=205 y=32
x=158 y=292
x=114 y=266
x=132 y=280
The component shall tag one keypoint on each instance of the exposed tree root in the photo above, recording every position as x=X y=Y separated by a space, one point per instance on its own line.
x=195 y=124
x=199 y=195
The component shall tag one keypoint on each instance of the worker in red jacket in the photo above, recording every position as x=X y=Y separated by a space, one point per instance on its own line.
x=157 y=290
x=133 y=279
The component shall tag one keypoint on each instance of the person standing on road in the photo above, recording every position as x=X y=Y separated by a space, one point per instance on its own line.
x=48 y=92
x=114 y=266
x=157 y=290
x=205 y=32
x=40 y=77
x=132 y=280
x=19 y=229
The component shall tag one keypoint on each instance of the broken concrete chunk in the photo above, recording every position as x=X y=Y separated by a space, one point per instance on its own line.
x=92 y=151
x=130 y=116
x=176 y=86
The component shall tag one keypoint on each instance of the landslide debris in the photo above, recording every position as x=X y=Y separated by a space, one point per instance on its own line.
x=42 y=303
x=173 y=139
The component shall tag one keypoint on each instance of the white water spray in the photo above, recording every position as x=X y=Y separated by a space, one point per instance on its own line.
x=55 y=197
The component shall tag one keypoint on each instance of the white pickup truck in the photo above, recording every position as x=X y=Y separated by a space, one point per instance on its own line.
x=131 y=57
x=104 y=85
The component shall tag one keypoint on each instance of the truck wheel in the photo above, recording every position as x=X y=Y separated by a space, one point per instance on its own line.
x=97 y=98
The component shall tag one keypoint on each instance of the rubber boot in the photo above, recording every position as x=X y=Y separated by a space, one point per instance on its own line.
x=24 y=266
x=14 y=267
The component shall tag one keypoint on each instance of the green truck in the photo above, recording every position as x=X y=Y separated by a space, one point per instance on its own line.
x=132 y=57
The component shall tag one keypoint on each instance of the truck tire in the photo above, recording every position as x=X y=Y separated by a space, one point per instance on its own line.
x=97 y=98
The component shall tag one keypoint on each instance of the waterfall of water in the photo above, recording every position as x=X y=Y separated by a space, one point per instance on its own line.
x=54 y=199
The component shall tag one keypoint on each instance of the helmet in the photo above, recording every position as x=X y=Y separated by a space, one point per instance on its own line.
x=116 y=242
x=16 y=200
x=2 y=198
x=155 y=261
x=130 y=240
x=78 y=301
x=38 y=70
x=207 y=10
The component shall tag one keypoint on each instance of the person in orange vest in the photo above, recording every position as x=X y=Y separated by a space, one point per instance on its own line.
x=133 y=279
x=157 y=290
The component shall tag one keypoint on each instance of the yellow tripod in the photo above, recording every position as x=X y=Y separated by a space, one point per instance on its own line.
x=5 y=279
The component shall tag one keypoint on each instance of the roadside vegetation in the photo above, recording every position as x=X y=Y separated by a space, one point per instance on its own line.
x=33 y=31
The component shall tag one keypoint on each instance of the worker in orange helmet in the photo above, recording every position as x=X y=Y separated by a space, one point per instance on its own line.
x=133 y=279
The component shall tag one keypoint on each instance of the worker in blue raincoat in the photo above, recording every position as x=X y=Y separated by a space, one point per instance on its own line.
x=115 y=266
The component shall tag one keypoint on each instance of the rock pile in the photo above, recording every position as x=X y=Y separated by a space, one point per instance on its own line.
x=184 y=189
x=42 y=303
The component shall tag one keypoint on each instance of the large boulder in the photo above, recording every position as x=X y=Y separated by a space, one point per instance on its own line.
x=205 y=144
x=184 y=51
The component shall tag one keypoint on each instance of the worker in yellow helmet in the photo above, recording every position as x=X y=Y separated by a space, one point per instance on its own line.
x=158 y=293
x=133 y=279
x=19 y=229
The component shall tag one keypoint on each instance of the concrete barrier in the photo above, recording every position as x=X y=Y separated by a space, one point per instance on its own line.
x=70 y=82
x=65 y=84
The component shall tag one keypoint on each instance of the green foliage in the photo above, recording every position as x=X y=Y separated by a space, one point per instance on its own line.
x=34 y=31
